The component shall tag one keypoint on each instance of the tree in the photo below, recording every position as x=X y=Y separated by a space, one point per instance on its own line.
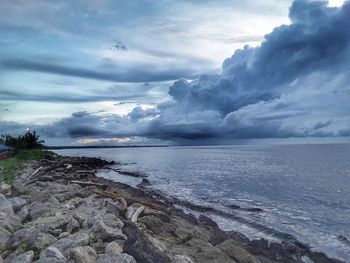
x=30 y=140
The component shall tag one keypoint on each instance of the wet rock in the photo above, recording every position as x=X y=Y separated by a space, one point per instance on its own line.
x=202 y=251
x=230 y=248
x=52 y=253
x=208 y=222
x=17 y=203
x=121 y=258
x=5 y=205
x=26 y=257
x=159 y=214
x=4 y=235
x=31 y=238
x=113 y=248
x=156 y=225
x=84 y=254
x=140 y=248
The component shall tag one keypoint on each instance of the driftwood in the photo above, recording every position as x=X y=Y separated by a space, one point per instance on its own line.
x=89 y=183
x=34 y=173
x=131 y=200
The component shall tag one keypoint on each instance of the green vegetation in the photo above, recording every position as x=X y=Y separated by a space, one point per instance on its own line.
x=27 y=147
x=9 y=165
x=30 y=140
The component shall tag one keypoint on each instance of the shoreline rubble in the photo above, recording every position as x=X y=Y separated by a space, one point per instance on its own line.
x=58 y=210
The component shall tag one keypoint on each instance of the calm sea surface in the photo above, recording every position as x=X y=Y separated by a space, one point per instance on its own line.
x=304 y=190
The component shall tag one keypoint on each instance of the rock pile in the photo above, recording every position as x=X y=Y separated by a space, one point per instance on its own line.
x=59 y=211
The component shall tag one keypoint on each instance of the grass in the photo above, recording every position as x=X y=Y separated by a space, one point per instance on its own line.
x=9 y=165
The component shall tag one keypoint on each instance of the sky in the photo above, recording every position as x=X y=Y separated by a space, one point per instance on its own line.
x=175 y=72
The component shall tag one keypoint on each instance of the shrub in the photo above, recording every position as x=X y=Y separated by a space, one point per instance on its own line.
x=30 y=140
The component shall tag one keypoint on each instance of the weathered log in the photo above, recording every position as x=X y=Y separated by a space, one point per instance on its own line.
x=34 y=173
x=89 y=183
x=131 y=200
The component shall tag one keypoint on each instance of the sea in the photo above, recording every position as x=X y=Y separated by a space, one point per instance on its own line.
x=263 y=191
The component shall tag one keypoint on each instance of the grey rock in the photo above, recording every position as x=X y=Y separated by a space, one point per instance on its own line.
x=5 y=205
x=100 y=230
x=23 y=213
x=17 y=203
x=83 y=254
x=230 y=248
x=121 y=258
x=50 y=223
x=52 y=252
x=31 y=237
x=152 y=212
x=4 y=235
x=26 y=257
x=63 y=235
x=9 y=220
x=71 y=241
x=182 y=259
x=113 y=248
x=49 y=208
x=5 y=189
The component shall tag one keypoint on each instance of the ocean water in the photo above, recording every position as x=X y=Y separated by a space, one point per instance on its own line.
x=304 y=190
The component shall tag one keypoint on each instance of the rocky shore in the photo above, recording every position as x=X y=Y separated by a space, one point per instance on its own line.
x=58 y=210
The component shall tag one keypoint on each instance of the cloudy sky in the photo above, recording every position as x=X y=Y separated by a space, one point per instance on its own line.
x=187 y=71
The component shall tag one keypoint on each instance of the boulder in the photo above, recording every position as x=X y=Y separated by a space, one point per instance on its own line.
x=140 y=248
x=100 y=230
x=182 y=259
x=4 y=236
x=202 y=251
x=23 y=213
x=230 y=248
x=26 y=257
x=49 y=208
x=113 y=248
x=159 y=214
x=31 y=238
x=9 y=221
x=121 y=258
x=71 y=241
x=5 y=205
x=52 y=253
x=17 y=203
x=5 y=189
x=156 y=225
x=84 y=254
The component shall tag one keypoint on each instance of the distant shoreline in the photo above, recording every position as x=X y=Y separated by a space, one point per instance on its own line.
x=101 y=147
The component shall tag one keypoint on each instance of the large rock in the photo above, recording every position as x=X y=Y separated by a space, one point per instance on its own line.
x=140 y=248
x=4 y=236
x=26 y=257
x=100 y=230
x=52 y=253
x=5 y=205
x=159 y=214
x=74 y=240
x=31 y=238
x=202 y=251
x=49 y=208
x=121 y=258
x=17 y=203
x=113 y=248
x=156 y=225
x=23 y=213
x=230 y=248
x=83 y=254
x=5 y=189
x=9 y=221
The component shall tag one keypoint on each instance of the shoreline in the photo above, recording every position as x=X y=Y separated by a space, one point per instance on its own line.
x=161 y=233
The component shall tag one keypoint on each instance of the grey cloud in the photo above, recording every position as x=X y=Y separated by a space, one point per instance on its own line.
x=137 y=75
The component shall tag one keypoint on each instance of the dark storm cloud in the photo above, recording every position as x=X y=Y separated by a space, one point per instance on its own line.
x=282 y=88
x=137 y=75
